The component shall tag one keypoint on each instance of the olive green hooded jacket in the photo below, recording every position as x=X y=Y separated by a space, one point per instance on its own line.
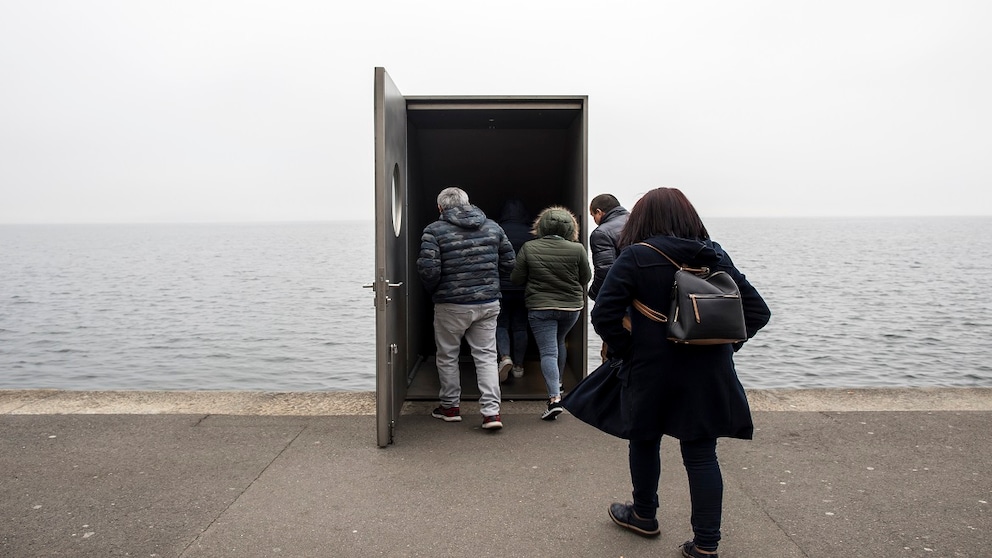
x=554 y=267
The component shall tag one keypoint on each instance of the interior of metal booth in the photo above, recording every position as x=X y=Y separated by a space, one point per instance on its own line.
x=495 y=149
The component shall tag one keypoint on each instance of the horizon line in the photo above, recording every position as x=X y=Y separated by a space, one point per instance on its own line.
x=372 y=220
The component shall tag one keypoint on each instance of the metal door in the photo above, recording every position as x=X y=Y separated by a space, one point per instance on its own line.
x=391 y=282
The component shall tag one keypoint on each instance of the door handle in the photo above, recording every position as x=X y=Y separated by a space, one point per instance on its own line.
x=372 y=285
x=381 y=298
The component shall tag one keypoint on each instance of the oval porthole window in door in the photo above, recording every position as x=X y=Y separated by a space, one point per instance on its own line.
x=397 y=200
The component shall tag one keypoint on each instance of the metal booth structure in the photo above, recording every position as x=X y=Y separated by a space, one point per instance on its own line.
x=495 y=148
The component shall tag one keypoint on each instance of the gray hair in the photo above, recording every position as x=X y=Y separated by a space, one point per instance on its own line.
x=452 y=197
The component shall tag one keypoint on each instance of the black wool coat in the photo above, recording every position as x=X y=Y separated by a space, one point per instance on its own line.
x=689 y=392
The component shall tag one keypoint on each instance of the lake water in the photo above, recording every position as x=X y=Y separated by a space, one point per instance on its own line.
x=280 y=307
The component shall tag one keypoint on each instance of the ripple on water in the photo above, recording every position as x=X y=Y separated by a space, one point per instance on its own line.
x=280 y=307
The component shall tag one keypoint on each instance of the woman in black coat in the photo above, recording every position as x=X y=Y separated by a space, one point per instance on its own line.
x=688 y=392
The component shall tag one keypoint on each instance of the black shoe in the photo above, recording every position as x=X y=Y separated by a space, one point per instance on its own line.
x=689 y=550
x=624 y=516
x=554 y=409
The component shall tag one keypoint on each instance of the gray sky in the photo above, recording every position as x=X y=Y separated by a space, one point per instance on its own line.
x=223 y=110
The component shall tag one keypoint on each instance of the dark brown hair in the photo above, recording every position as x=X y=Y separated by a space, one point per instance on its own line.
x=604 y=202
x=662 y=211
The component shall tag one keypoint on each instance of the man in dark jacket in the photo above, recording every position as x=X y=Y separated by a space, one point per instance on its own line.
x=610 y=217
x=461 y=257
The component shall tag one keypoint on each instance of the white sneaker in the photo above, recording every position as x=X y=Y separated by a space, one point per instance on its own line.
x=518 y=371
x=505 y=364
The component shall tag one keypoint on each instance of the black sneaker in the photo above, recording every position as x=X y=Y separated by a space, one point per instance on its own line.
x=447 y=414
x=624 y=516
x=554 y=409
x=689 y=550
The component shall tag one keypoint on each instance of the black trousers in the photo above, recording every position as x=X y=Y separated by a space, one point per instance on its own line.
x=705 y=485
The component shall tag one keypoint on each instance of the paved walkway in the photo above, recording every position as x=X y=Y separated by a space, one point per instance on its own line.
x=830 y=473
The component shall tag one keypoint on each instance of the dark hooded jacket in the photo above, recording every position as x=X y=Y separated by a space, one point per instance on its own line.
x=603 y=242
x=554 y=266
x=688 y=392
x=462 y=255
x=515 y=223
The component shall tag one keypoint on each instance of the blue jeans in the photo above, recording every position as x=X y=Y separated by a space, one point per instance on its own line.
x=550 y=328
x=511 y=325
x=705 y=485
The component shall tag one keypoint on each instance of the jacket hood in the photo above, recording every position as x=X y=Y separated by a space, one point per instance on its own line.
x=464 y=216
x=689 y=251
x=615 y=212
x=513 y=211
x=557 y=220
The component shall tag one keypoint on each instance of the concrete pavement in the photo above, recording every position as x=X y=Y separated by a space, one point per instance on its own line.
x=208 y=474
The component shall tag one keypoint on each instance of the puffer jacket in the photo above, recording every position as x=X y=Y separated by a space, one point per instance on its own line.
x=603 y=241
x=461 y=256
x=554 y=266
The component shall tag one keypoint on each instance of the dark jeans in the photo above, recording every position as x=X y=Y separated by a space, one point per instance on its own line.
x=511 y=327
x=705 y=485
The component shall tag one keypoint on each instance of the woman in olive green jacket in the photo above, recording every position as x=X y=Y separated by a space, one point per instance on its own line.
x=555 y=268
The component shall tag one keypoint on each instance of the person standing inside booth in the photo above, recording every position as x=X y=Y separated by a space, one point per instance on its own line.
x=460 y=260
x=511 y=326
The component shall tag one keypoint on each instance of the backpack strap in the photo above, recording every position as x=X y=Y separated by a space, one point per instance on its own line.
x=693 y=270
x=650 y=313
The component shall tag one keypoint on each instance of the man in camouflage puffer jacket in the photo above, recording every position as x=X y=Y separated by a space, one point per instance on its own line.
x=461 y=256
